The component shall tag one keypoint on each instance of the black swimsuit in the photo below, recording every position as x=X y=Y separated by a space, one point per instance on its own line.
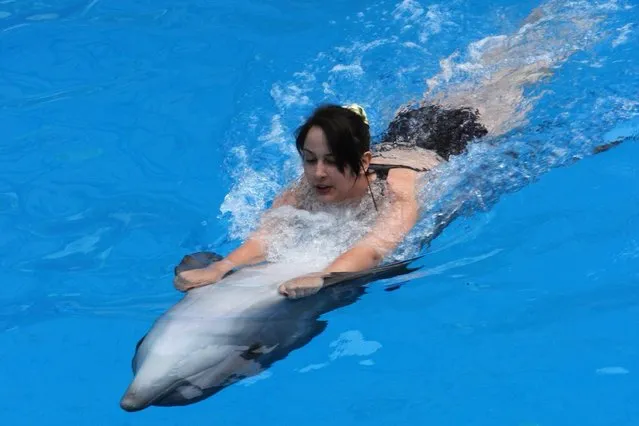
x=441 y=130
x=446 y=131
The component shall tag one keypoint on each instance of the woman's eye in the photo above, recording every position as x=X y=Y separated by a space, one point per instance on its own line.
x=310 y=160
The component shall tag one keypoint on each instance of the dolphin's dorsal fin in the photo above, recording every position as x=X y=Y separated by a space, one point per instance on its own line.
x=200 y=259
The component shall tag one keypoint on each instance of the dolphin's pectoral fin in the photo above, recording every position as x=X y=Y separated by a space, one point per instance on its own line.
x=253 y=351
x=258 y=349
x=197 y=260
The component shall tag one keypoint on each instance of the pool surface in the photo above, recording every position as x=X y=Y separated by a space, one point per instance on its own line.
x=136 y=132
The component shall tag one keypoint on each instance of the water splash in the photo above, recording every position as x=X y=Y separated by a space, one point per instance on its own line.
x=510 y=78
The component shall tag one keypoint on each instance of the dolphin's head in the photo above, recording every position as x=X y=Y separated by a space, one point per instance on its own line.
x=163 y=380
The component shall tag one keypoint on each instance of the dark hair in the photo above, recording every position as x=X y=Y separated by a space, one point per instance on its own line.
x=445 y=131
x=347 y=134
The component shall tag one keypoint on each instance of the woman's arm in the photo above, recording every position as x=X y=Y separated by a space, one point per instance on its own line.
x=249 y=252
x=389 y=230
x=252 y=250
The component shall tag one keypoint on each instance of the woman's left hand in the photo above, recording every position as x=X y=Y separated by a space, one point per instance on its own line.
x=303 y=286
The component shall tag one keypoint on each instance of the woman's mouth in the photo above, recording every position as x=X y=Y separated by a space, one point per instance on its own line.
x=323 y=189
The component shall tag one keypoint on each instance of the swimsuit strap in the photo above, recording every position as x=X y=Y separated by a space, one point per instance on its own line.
x=383 y=169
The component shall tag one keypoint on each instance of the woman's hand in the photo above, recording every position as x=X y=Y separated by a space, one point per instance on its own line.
x=186 y=280
x=303 y=286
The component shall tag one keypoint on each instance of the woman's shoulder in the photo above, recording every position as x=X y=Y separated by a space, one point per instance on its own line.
x=402 y=182
x=291 y=195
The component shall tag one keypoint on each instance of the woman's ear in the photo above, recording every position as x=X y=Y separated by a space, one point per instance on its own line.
x=366 y=161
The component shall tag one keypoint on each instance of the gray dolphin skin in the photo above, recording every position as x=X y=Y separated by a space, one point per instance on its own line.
x=219 y=334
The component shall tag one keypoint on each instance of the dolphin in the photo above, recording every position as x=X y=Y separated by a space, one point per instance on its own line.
x=219 y=334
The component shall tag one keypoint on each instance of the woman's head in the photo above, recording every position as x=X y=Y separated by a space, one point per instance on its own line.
x=334 y=143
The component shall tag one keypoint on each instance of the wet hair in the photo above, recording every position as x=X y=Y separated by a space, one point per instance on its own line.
x=347 y=134
x=445 y=131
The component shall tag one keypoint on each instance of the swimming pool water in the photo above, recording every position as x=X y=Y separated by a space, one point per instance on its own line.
x=136 y=132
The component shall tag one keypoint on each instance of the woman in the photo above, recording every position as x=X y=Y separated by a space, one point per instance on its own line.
x=339 y=168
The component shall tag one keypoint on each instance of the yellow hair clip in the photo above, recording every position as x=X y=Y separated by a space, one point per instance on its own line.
x=359 y=110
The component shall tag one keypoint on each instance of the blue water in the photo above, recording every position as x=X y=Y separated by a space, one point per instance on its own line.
x=136 y=132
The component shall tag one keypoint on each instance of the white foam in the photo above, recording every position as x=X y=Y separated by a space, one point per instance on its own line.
x=612 y=5
x=248 y=381
x=436 y=18
x=624 y=32
x=249 y=196
x=411 y=45
x=618 y=107
x=276 y=133
x=612 y=371
x=631 y=252
x=305 y=76
x=408 y=10
x=327 y=89
x=43 y=17
x=314 y=237
x=289 y=95
x=352 y=343
x=359 y=47
x=352 y=69
x=312 y=367
x=427 y=22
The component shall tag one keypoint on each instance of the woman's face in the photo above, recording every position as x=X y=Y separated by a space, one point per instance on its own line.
x=329 y=183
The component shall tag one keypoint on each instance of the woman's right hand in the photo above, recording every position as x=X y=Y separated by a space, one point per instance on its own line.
x=186 y=280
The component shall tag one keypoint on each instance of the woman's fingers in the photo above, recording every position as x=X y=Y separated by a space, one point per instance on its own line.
x=303 y=286
x=193 y=278
x=178 y=283
x=184 y=284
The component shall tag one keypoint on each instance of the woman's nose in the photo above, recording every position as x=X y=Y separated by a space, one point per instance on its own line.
x=320 y=169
